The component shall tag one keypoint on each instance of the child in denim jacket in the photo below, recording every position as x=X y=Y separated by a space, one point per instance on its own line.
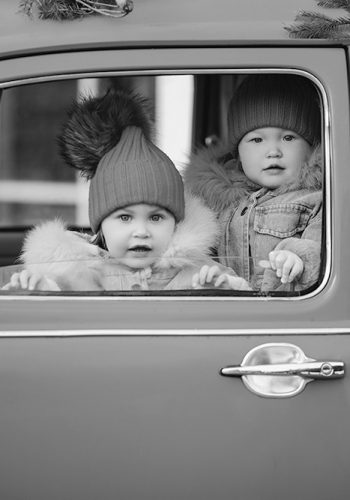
x=268 y=192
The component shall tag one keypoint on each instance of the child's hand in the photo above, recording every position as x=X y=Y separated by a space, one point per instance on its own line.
x=27 y=280
x=210 y=274
x=287 y=264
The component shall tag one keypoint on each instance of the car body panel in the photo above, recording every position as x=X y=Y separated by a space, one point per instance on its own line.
x=325 y=309
x=121 y=396
x=151 y=23
x=150 y=417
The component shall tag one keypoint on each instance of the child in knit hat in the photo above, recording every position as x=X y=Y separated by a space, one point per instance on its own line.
x=146 y=235
x=268 y=191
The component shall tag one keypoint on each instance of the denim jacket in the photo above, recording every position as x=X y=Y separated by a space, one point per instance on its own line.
x=255 y=220
x=264 y=222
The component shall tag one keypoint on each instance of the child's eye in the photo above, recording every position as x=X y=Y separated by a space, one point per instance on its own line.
x=124 y=217
x=289 y=137
x=256 y=140
x=156 y=217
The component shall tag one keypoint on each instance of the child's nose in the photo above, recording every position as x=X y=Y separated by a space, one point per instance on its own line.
x=273 y=151
x=141 y=230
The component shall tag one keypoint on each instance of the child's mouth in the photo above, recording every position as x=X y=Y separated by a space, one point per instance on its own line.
x=274 y=168
x=140 y=249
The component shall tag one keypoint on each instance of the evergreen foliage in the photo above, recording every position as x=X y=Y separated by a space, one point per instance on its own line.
x=318 y=25
x=59 y=10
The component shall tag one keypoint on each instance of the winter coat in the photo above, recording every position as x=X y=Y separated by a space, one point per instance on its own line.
x=254 y=220
x=74 y=263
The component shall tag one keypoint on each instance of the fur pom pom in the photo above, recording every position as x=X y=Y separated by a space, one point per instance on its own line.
x=95 y=125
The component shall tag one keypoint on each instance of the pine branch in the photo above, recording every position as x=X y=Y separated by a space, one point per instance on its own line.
x=26 y=6
x=308 y=17
x=315 y=25
x=52 y=9
x=58 y=10
x=319 y=18
x=334 y=4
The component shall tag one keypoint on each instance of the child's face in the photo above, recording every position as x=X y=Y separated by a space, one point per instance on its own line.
x=138 y=234
x=273 y=157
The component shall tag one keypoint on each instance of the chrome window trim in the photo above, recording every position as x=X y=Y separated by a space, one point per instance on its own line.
x=173 y=333
x=174 y=71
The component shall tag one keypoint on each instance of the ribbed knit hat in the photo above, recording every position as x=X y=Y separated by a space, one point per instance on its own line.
x=135 y=171
x=270 y=100
x=108 y=139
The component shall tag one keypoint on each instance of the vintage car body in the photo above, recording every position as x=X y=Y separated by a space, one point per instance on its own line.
x=106 y=397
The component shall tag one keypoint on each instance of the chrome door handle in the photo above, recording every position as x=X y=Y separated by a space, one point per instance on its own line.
x=313 y=369
x=281 y=370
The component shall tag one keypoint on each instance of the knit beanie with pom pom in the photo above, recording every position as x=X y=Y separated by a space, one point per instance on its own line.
x=108 y=139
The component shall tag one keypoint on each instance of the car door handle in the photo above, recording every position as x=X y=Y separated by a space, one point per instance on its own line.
x=281 y=370
x=313 y=369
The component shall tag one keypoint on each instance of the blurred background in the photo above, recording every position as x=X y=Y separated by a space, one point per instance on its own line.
x=35 y=183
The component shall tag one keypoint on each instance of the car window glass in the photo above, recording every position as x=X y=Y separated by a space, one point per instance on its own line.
x=190 y=125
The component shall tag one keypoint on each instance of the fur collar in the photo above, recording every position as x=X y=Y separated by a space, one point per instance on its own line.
x=51 y=249
x=218 y=179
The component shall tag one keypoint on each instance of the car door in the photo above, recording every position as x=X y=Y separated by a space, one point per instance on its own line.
x=129 y=395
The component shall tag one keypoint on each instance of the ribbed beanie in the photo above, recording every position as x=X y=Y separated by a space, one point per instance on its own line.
x=286 y=101
x=134 y=171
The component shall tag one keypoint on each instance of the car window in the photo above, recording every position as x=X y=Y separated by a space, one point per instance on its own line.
x=194 y=127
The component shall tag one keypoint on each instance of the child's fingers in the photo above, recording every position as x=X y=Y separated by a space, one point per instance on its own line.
x=294 y=267
x=293 y=273
x=207 y=274
x=272 y=259
x=287 y=265
x=195 y=280
x=23 y=279
x=240 y=283
x=198 y=279
x=296 y=270
x=264 y=264
x=237 y=283
x=221 y=280
x=281 y=263
x=212 y=272
x=285 y=271
x=203 y=273
x=277 y=260
x=53 y=287
x=33 y=281
x=15 y=281
x=29 y=281
x=232 y=282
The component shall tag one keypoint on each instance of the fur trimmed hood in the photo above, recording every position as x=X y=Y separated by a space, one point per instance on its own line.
x=220 y=182
x=51 y=250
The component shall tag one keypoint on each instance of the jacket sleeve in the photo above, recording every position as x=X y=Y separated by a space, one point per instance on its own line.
x=308 y=248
